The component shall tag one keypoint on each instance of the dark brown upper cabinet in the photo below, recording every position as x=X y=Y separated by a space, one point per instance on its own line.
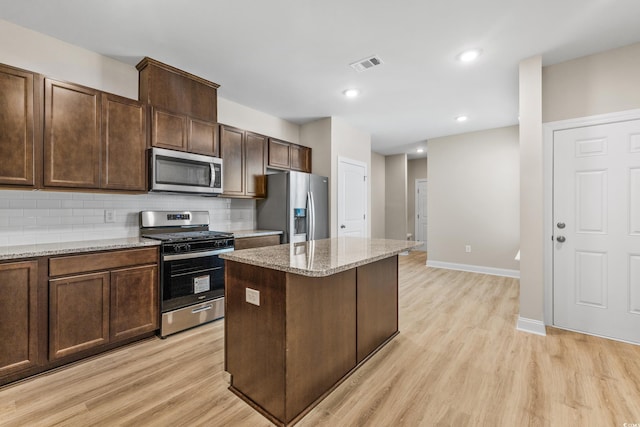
x=124 y=124
x=279 y=154
x=245 y=161
x=19 y=101
x=300 y=158
x=92 y=139
x=71 y=135
x=288 y=156
x=184 y=108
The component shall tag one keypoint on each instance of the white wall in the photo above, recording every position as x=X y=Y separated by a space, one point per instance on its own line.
x=317 y=135
x=354 y=144
x=602 y=83
x=329 y=139
x=396 y=197
x=42 y=216
x=234 y=114
x=531 y=191
x=27 y=49
x=474 y=199
x=596 y=84
x=378 y=190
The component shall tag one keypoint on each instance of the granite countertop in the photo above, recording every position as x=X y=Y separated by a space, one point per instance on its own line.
x=319 y=258
x=239 y=234
x=48 y=249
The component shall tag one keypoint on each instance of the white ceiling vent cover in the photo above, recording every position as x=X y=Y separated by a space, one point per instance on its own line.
x=366 y=63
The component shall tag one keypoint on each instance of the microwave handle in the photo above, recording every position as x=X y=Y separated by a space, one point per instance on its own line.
x=212 y=175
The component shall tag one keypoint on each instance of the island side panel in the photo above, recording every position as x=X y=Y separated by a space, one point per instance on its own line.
x=377 y=304
x=254 y=335
x=321 y=336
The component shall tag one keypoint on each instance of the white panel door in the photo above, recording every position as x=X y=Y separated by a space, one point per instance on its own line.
x=421 y=213
x=352 y=198
x=596 y=264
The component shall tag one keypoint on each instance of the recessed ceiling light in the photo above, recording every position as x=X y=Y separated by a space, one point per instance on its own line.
x=461 y=119
x=420 y=150
x=469 y=55
x=351 y=93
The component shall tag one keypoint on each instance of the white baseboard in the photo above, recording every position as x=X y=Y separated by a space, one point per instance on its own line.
x=474 y=269
x=531 y=326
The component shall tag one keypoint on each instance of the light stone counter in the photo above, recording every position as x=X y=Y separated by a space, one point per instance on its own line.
x=48 y=249
x=319 y=258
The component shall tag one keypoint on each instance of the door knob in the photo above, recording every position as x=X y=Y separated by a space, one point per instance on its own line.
x=343 y=226
x=561 y=225
x=561 y=239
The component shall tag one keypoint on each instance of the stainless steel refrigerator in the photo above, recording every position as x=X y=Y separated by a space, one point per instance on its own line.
x=298 y=204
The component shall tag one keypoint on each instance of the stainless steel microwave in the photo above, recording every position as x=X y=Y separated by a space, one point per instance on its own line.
x=180 y=172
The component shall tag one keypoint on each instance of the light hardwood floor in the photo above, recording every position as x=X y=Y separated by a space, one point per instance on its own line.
x=458 y=361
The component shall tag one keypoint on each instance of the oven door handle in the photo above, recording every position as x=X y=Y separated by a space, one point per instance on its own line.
x=204 y=308
x=191 y=255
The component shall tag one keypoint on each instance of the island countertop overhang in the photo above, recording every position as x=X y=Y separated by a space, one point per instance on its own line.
x=320 y=258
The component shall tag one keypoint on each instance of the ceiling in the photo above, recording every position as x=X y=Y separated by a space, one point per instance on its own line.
x=290 y=58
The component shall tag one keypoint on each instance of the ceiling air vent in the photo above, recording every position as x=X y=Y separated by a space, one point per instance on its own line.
x=367 y=63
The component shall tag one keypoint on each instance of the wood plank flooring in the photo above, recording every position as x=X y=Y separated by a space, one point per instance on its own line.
x=458 y=361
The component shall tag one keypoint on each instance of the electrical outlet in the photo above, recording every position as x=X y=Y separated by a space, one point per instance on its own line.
x=252 y=296
x=109 y=215
x=467 y=248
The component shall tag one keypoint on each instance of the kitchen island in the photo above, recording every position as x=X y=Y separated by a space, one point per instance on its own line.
x=301 y=317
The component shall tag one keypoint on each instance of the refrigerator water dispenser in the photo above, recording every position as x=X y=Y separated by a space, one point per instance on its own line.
x=299 y=221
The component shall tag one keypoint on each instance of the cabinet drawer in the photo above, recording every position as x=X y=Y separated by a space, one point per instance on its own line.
x=256 y=242
x=101 y=261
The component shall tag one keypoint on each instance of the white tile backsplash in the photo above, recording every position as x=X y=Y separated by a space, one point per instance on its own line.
x=32 y=217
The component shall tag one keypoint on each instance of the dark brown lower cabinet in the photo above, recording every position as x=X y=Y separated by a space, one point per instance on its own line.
x=308 y=333
x=74 y=306
x=78 y=313
x=19 y=348
x=134 y=301
x=89 y=309
x=377 y=304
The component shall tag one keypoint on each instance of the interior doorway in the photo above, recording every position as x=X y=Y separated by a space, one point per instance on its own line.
x=421 y=213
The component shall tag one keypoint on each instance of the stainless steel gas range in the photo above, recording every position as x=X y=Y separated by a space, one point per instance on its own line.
x=191 y=271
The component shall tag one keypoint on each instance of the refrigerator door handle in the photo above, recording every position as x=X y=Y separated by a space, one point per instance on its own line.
x=312 y=217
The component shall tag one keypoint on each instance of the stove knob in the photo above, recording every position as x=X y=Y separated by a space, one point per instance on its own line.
x=187 y=247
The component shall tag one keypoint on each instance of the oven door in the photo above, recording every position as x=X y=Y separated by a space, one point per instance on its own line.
x=192 y=277
x=177 y=171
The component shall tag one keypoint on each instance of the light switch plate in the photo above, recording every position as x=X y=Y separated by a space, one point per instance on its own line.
x=252 y=296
